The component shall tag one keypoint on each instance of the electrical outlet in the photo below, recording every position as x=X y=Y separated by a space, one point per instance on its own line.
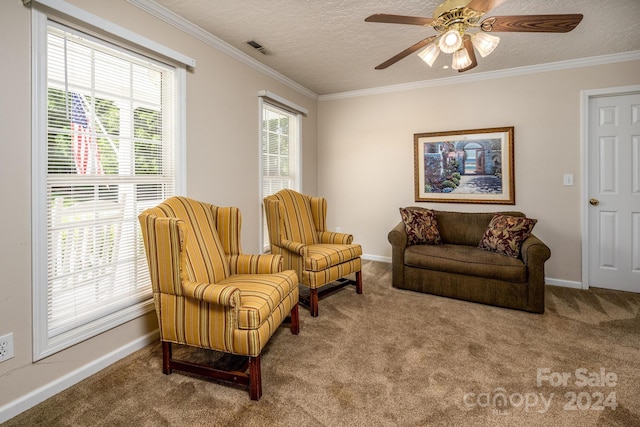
x=6 y=347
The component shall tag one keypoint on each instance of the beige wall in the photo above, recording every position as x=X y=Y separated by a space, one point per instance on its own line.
x=366 y=152
x=222 y=160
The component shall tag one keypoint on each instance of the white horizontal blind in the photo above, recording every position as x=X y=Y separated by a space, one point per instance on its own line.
x=280 y=142
x=278 y=170
x=110 y=150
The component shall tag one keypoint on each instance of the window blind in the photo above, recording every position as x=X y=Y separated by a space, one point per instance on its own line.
x=280 y=145
x=110 y=153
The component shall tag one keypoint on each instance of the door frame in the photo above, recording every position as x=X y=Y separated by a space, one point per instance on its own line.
x=585 y=97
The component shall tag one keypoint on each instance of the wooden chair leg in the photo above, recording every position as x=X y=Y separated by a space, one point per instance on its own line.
x=166 y=357
x=248 y=375
x=255 y=378
x=313 y=302
x=358 y=282
x=295 y=320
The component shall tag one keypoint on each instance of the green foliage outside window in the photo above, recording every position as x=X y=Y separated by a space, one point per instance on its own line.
x=147 y=132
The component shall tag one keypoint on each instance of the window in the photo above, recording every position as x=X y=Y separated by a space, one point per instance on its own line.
x=280 y=148
x=106 y=147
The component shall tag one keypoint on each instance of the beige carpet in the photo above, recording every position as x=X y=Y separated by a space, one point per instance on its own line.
x=396 y=358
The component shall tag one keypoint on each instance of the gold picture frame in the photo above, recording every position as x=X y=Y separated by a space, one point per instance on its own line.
x=465 y=166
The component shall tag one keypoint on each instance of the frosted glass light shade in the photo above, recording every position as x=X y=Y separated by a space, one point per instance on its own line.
x=450 y=41
x=460 y=59
x=485 y=43
x=429 y=54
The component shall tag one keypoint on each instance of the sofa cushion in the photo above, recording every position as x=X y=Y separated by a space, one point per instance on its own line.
x=466 y=260
x=505 y=234
x=466 y=228
x=421 y=226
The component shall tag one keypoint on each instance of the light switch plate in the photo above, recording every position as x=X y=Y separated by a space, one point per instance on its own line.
x=568 y=179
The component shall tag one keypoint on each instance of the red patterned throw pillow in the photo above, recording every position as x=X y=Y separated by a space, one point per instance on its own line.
x=421 y=226
x=505 y=234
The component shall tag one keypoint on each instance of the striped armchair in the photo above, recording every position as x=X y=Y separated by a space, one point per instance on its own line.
x=209 y=294
x=298 y=231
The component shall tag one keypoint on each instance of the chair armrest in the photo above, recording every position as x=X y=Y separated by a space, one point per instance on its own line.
x=255 y=264
x=228 y=296
x=335 y=238
x=292 y=246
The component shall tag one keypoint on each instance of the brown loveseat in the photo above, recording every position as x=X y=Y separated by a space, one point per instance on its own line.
x=457 y=268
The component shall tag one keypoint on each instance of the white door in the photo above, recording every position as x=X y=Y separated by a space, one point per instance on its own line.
x=614 y=192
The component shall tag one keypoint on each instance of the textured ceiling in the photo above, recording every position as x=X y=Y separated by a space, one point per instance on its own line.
x=325 y=45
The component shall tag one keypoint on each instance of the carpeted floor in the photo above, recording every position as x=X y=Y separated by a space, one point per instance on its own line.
x=396 y=358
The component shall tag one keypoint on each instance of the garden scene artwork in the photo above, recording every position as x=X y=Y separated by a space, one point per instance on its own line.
x=465 y=166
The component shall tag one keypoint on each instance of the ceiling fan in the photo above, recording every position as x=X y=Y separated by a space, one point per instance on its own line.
x=453 y=18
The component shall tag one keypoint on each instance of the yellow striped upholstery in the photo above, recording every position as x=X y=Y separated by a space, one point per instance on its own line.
x=335 y=238
x=295 y=209
x=208 y=293
x=228 y=222
x=205 y=260
x=254 y=264
x=319 y=212
x=322 y=256
x=316 y=279
x=259 y=301
x=318 y=259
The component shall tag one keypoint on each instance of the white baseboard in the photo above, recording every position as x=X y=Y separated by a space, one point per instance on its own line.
x=379 y=258
x=563 y=283
x=548 y=280
x=41 y=394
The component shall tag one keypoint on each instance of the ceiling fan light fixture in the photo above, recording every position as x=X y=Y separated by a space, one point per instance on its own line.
x=450 y=41
x=485 y=43
x=430 y=53
x=461 y=59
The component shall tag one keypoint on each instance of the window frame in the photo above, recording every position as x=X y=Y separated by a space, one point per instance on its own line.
x=296 y=112
x=43 y=345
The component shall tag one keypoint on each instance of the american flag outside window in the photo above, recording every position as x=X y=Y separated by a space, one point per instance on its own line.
x=85 y=147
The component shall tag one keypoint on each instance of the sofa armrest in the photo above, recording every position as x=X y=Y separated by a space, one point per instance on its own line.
x=533 y=251
x=398 y=239
x=398 y=236
x=534 y=254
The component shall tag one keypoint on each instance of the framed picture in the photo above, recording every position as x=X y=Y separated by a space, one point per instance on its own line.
x=465 y=166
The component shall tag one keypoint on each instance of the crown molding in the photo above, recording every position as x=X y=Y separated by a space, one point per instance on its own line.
x=190 y=28
x=153 y=8
x=519 y=71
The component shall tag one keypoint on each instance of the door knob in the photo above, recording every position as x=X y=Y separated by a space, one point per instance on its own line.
x=594 y=202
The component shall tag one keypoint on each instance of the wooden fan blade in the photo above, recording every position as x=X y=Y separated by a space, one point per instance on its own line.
x=469 y=47
x=408 y=51
x=484 y=5
x=532 y=23
x=399 y=19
